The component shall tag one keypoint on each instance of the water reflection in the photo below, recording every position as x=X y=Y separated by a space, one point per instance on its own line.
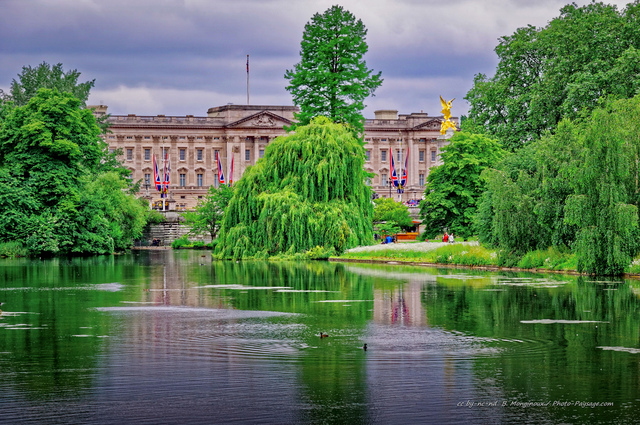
x=172 y=337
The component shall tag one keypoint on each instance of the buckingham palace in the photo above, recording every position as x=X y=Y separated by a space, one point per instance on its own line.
x=242 y=132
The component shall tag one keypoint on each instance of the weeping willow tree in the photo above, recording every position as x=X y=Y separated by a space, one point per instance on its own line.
x=308 y=191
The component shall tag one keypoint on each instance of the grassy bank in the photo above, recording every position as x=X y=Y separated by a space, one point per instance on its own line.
x=466 y=254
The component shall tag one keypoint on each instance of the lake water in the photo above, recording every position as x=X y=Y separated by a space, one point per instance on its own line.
x=163 y=337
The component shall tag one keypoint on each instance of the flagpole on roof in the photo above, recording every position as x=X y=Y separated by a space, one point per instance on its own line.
x=247 y=79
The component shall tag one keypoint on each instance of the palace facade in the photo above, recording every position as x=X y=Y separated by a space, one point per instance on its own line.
x=242 y=132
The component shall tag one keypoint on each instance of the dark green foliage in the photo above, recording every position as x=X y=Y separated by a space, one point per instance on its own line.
x=332 y=78
x=547 y=74
x=454 y=188
x=309 y=190
x=30 y=80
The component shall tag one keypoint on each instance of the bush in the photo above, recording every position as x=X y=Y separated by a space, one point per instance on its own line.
x=12 y=249
x=320 y=253
x=181 y=242
x=551 y=259
x=154 y=217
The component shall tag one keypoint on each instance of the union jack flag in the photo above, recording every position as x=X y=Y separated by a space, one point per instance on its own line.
x=403 y=179
x=156 y=176
x=165 y=185
x=394 y=176
x=220 y=173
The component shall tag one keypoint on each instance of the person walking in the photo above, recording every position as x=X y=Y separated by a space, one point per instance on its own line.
x=445 y=238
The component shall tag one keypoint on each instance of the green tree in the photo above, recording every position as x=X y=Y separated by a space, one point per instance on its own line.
x=522 y=208
x=61 y=197
x=454 y=188
x=50 y=143
x=332 y=78
x=30 y=80
x=604 y=206
x=309 y=190
x=547 y=74
x=386 y=209
x=208 y=214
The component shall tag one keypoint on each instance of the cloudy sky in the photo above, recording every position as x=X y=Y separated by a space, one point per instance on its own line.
x=178 y=57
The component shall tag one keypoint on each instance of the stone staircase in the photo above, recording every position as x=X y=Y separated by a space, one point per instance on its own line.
x=167 y=232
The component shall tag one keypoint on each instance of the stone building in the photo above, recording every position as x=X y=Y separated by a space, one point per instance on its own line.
x=242 y=132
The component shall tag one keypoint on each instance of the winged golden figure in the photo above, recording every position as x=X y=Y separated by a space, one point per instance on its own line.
x=446 y=111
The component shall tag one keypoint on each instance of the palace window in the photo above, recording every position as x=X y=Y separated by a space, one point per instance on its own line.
x=421 y=156
x=215 y=154
x=183 y=154
x=383 y=156
x=147 y=154
x=129 y=154
x=147 y=180
x=199 y=180
x=247 y=155
x=383 y=180
x=183 y=180
x=261 y=153
x=368 y=153
x=199 y=154
x=421 y=179
x=433 y=156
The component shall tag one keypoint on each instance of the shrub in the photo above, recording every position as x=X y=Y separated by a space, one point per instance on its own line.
x=12 y=249
x=181 y=242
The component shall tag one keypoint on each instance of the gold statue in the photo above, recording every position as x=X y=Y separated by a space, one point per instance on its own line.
x=446 y=111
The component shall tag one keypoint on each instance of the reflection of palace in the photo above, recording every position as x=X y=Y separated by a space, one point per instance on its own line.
x=241 y=133
x=400 y=305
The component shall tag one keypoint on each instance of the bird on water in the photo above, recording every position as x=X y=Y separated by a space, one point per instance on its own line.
x=364 y=347
x=323 y=335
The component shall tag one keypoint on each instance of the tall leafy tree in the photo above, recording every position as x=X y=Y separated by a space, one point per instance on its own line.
x=332 y=78
x=454 y=188
x=604 y=206
x=522 y=208
x=547 y=74
x=307 y=191
x=61 y=197
x=49 y=77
